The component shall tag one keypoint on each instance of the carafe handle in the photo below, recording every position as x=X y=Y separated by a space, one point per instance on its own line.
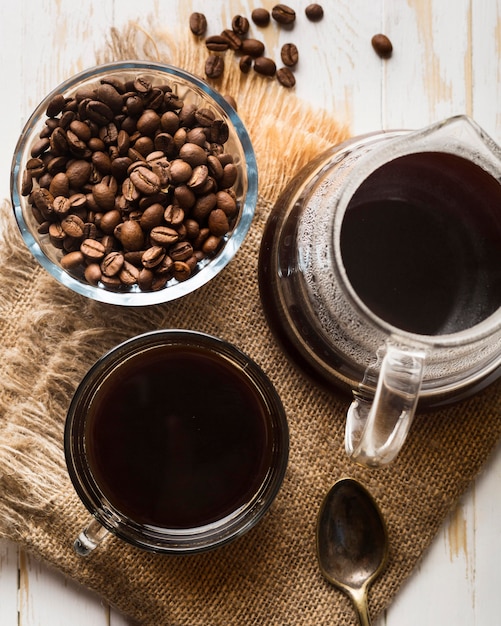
x=377 y=423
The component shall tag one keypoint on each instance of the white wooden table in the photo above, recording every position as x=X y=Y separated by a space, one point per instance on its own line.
x=446 y=60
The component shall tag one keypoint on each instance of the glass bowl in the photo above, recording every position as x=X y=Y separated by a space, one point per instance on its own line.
x=157 y=88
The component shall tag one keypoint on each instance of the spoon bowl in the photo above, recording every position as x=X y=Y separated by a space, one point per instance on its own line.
x=352 y=542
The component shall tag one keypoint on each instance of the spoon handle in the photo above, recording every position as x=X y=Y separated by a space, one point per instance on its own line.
x=363 y=615
x=359 y=598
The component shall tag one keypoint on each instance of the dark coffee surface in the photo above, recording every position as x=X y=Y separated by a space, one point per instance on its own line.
x=177 y=438
x=421 y=246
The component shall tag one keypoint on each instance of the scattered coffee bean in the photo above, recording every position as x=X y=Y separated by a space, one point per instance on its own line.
x=234 y=41
x=198 y=24
x=314 y=12
x=240 y=25
x=124 y=178
x=251 y=50
x=214 y=66
x=382 y=46
x=283 y=14
x=285 y=77
x=260 y=17
x=253 y=47
x=216 y=43
x=245 y=63
x=265 y=66
x=289 y=54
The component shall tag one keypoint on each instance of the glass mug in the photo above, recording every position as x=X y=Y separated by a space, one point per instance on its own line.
x=176 y=442
x=380 y=274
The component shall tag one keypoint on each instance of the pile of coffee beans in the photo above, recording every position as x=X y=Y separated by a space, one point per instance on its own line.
x=250 y=50
x=132 y=183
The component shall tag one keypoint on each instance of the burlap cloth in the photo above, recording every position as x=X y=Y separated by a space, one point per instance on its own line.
x=50 y=336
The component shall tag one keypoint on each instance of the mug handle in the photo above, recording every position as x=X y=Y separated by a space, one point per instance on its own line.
x=377 y=424
x=90 y=537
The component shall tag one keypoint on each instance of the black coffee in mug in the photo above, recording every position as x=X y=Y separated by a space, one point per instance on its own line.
x=177 y=438
x=422 y=247
x=175 y=441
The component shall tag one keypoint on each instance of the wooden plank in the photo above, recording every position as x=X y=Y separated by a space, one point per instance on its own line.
x=8 y=582
x=48 y=597
x=428 y=77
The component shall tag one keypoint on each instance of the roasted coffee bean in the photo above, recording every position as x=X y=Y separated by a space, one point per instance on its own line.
x=130 y=235
x=93 y=273
x=148 y=123
x=283 y=14
x=252 y=47
x=289 y=54
x=227 y=203
x=314 y=12
x=144 y=180
x=218 y=222
x=173 y=215
x=181 y=271
x=193 y=155
x=142 y=84
x=198 y=24
x=58 y=142
x=211 y=244
x=179 y=171
x=260 y=17
x=198 y=177
x=234 y=41
x=145 y=279
x=216 y=43
x=104 y=195
x=92 y=249
x=152 y=216
x=240 y=25
x=285 y=77
x=165 y=267
x=382 y=46
x=265 y=66
x=109 y=221
x=73 y=226
x=164 y=236
x=184 y=196
x=197 y=135
x=153 y=256
x=112 y=263
x=60 y=185
x=56 y=105
x=203 y=206
x=72 y=260
x=129 y=274
x=181 y=251
x=229 y=176
x=245 y=63
x=98 y=112
x=109 y=95
x=214 y=66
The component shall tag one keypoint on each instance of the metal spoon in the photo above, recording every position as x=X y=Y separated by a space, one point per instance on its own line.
x=352 y=542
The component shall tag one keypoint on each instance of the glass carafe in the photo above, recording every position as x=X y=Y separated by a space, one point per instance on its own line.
x=380 y=274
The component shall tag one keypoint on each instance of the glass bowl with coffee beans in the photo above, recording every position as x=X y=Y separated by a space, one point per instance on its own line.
x=134 y=183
